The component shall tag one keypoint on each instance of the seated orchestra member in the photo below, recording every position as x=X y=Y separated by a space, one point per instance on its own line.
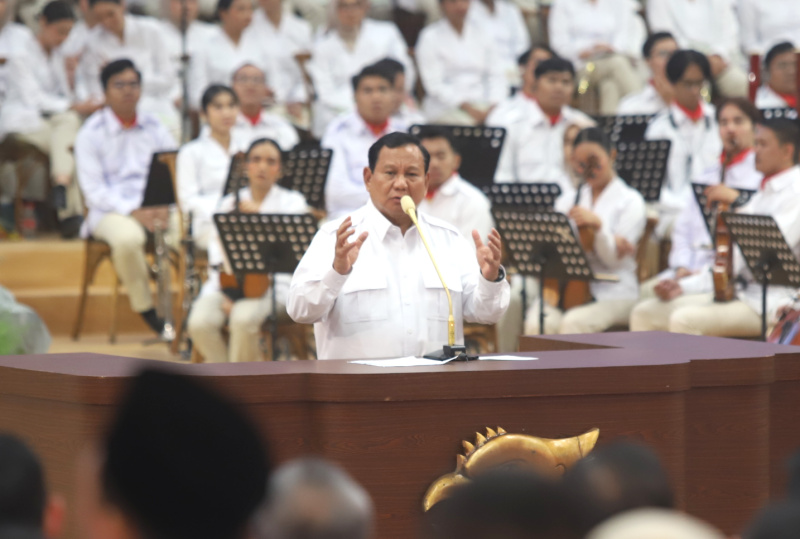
x=39 y=108
x=450 y=197
x=780 y=90
x=381 y=298
x=692 y=246
x=776 y=156
x=203 y=164
x=350 y=137
x=616 y=214
x=765 y=23
x=597 y=33
x=214 y=306
x=657 y=94
x=506 y=26
x=405 y=106
x=113 y=152
x=461 y=68
x=709 y=26
x=254 y=121
x=690 y=126
x=535 y=120
x=353 y=43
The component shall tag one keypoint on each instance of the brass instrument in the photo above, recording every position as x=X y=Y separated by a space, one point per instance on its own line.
x=163 y=281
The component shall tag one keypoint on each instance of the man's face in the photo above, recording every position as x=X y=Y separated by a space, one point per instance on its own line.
x=175 y=11
x=110 y=15
x=735 y=129
x=374 y=99
x=444 y=161
x=659 y=56
x=398 y=172
x=455 y=11
x=122 y=92
x=771 y=155
x=783 y=73
x=554 y=89
x=689 y=87
x=534 y=59
x=54 y=34
x=239 y=15
x=250 y=86
x=264 y=166
x=350 y=13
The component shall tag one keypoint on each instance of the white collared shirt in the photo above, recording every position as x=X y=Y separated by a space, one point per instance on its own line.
x=459 y=68
x=765 y=23
x=392 y=303
x=506 y=26
x=461 y=204
x=113 y=163
x=196 y=36
x=577 y=25
x=350 y=138
x=294 y=32
x=15 y=39
x=646 y=101
x=201 y=171
x=268 y=126
x=767 y=98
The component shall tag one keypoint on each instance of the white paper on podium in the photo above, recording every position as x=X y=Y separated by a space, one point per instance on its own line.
x=411 y=361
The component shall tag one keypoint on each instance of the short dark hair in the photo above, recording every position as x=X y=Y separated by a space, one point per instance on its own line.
x=392 y=67
x=437 y=131
x=554 y=65
x=744 y=105
x=680 y=61
x=780 y=520
x=374 y=70
x=92 y=3
x=787 y=131
x=596 y=135
x=224 y=5
x=57 y=10
x=397 y=139
x=213 y=91
x=261 y=141
x=777 y=50
x=523 y=58
x=115 y=68
x=653 y=40
x=22 y=490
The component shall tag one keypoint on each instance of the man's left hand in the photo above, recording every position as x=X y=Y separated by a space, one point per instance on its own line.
x=489 y=254
x=721 y=193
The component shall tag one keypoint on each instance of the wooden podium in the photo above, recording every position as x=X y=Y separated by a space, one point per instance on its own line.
x=722 y=414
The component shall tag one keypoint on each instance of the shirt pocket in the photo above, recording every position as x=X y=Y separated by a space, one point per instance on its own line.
x=364 y=298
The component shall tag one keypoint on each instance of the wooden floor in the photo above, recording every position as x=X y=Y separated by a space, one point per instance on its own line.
x=127 y=345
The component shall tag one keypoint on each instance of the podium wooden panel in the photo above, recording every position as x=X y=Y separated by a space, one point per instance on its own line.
x=723 y=414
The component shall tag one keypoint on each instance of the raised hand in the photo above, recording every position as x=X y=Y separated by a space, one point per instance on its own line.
x=489 y=254
x=347 y=252
x=585 y=217
x=721 y=193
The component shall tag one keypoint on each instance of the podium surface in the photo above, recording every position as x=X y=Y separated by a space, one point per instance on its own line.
x=722 y=414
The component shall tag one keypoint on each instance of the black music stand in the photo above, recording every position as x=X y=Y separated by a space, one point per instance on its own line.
x=778 y=112
x=624 y=127
x=305 y=170
x=543 y=245
x=708 y=213
x=265 y=244
x=237 y=175
x=159 y=190
x=643 y=166
x=479 y=148
x=768 y=256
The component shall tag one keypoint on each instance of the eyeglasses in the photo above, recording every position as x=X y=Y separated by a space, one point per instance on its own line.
x=122 y=85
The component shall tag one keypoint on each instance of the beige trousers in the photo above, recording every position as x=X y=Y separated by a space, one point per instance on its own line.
x=207 y=319
x=647 y=289
x=697 y=314
x=732 y=82
x=615 y=78
x=593 y=317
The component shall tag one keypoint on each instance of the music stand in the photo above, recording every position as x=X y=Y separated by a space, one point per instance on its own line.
x=768 y=256
x=541 y=196
x=643 y=166
x=159 y=190
x=708 y=214
x=543 y=245
x=237 y=175
x=306 y=170
x=779 y=112
x=624 y=127
x=478 y=146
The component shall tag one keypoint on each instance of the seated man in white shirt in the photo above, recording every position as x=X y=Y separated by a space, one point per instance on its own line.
x=113 y=152
x=254 y=121
x=461 y=68
x=776 y=147
x=506 y=25
x=367 y=282
x=780 y=90
x=350 y=137
x=657 y=94
x=405 y=107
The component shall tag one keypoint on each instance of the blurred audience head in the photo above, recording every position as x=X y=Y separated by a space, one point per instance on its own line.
x=455 y=11
x=780 y=520
x=777 y=145
x=55 y=24
x=110 y=14
x=220 y=108
x=175 y=11
x=122 y=84
x=445 y=157
x=657 y=50
x=235 y=15
x=349 y=14
x=374 y=94
x=652 y=523
x=530 y=59
x=553 y=84
x=249 y=83
x=737 y=118
x=780 y=64
x=688 y=71
x=397 y=72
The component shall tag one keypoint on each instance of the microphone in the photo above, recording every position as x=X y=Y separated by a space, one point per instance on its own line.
x=449 y=351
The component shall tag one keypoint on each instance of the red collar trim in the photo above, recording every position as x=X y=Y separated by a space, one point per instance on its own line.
x=694 y=115
x=738 y=158
x=433 y=190
x=790 y=99
x=128 y=124
x=253 y=119
x=553 y=119
x=766 y=180
x=377 y=129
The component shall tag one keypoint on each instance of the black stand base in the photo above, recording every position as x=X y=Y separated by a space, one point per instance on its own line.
x=457 y=352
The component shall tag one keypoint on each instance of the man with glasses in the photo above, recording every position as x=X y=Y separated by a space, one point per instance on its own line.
x=113 y=152
x=657 y=94
x=781 y=88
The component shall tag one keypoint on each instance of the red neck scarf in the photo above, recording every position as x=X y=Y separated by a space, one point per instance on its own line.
x=126 y=124
x=377 y=129
x=738 y=158
x=253 y=119
x=694 y=115
x=790 y=99
x=553 y=118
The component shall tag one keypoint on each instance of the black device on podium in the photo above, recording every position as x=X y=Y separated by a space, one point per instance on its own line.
x=542 y=245
x=265 y=244
x=478 y=146
x=540 y=196
x=643 y=165
x=768 y=256
x=709 y=215
x=624 y=127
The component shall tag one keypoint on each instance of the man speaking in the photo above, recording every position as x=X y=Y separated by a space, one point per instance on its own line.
x=367 y=282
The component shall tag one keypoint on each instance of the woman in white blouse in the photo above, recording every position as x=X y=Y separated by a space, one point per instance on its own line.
x=203 y=163
x=615 y=213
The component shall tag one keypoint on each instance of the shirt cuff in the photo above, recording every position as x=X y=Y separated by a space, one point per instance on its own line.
x=334 y=281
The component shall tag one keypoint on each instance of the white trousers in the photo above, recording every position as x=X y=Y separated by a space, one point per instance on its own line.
x=593 y=317
x=697 y=314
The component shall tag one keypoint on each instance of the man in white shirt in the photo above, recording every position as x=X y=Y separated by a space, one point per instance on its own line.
x=113 y=152
x=379 y=296
x=461 y=68
x=780 y=90
x=352 y=134
x=254 y=121
x=777 y=144
x=657 y=94
x=405 y=106
x=506 y=26
x=765 y=23
x=535 y=120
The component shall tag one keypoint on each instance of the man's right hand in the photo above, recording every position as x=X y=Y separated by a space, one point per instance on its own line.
x=668 y=289
x=148 y=217
x=347 y=252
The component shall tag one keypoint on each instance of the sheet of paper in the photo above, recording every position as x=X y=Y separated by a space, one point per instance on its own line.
x=507 y=358
x=409 y=361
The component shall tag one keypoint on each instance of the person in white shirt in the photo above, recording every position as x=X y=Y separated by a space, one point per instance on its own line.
x=709 y=26
x=203 y=164
x=113 y=152
x=450 y=197
x=780 y=90
x=506 y=26
x=254 y=121
x=690 y=126
x=692 y=251
x=657 y=94
x=405 y=106
x=460 y=67
x=273 y=18
x=765 y=23
x=596 y=32
x=776 y=148
x=367 y=282
x=215 y=306
x=350 y=137
x=535 y=120
x=342 y=51
x=74 y=48
x=615 y=213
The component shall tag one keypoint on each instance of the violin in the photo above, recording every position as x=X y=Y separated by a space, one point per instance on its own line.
x=722 y=270
x=787 y=330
